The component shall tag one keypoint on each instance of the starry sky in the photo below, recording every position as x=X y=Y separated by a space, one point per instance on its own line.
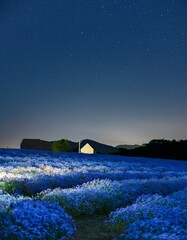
x=114 y=71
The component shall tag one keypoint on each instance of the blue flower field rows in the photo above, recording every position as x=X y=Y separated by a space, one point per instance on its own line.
x=43 y=193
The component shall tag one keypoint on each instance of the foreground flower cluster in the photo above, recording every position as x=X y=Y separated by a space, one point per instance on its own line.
x=153 y=217
x=42 y=193
x=28 y=219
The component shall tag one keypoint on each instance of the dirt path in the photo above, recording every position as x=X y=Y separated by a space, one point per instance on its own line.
x=94 y=228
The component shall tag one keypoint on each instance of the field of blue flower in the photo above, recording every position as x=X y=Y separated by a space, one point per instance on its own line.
x=42 y=194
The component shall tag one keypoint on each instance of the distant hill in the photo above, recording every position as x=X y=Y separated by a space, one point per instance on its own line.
x=156 y=148
x=37 y=144
x=128 y=146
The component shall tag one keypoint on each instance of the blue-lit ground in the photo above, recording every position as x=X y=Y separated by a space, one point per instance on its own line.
x=42 y=193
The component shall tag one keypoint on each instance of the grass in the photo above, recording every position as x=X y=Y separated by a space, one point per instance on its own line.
x=94 y=228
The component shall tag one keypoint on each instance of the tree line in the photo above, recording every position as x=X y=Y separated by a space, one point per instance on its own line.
x=159 y=148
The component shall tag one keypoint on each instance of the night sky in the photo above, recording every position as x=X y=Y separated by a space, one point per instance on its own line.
x=112 y=71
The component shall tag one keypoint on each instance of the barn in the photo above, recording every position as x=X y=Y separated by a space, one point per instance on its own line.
x=91 y=147
x=87 y=148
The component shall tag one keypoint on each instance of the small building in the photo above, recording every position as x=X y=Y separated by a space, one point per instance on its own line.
x=91 y=147
x=87 y=148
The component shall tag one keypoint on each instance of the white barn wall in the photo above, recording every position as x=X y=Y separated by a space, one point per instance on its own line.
x=87 y=149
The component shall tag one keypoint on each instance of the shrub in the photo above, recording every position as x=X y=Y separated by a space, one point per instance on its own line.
x=61 y=146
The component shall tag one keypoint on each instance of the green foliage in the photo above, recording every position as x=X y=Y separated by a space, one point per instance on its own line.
x=61 y=146
x=9 y=186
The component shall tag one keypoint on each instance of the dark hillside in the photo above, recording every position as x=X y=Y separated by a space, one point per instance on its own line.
x=35 y=144
x=159 y=148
